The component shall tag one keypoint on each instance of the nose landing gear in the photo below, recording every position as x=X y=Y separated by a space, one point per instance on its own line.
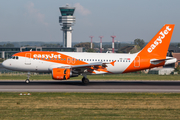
x=27 y=81
x=28 y=76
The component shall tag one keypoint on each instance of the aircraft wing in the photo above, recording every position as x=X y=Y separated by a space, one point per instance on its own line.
x=77 y=69
x=77 y=66
x=88 y=65
x=94 y=64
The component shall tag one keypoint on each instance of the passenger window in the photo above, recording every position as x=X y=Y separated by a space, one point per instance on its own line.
x=17 y=57
x=13 y=57
x=95 y=59
x=87 y=59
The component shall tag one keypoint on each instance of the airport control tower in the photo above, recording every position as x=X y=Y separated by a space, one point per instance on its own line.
x=67 y=20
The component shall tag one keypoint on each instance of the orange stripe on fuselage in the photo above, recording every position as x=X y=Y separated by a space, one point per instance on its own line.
x=52 y=57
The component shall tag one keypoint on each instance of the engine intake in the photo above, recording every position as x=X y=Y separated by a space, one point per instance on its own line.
x=61 y=73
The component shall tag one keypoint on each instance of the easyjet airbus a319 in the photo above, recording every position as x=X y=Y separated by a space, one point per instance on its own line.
x=64 y=65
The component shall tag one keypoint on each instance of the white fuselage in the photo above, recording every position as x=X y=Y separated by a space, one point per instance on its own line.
x=39 y=65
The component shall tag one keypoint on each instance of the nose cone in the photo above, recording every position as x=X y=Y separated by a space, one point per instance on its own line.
x=8 y=64
x=5 y=64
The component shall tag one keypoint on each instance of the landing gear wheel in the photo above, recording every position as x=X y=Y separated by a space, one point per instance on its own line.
x=27 y=81
x=85 y=81
x=28 y=76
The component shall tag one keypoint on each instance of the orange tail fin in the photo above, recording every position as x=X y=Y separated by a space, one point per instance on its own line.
x=156 y=49
x=159 y=44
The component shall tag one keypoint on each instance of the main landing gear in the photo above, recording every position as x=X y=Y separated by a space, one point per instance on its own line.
x=28 y=76
x=85 y=81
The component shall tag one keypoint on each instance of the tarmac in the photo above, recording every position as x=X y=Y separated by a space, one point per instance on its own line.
x=93 y=86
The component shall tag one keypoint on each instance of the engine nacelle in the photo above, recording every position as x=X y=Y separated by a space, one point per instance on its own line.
x=61 y=73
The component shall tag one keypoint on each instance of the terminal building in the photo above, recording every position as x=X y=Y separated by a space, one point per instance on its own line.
x=7 y=52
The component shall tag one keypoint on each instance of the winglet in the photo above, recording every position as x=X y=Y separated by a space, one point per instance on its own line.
x=112 y=63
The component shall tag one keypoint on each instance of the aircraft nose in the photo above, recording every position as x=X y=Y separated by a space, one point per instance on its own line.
x=5 y=63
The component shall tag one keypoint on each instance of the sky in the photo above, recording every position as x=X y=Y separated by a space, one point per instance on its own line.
x=38 y=20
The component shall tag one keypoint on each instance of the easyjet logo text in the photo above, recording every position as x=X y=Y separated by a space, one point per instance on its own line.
x=159 y=39
x=46 y=56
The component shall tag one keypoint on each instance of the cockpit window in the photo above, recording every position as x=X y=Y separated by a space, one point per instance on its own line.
x=15 y=57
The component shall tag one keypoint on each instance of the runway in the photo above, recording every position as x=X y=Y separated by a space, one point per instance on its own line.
x=93 y=86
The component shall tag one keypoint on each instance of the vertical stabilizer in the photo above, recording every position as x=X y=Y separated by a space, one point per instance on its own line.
x=159 y=44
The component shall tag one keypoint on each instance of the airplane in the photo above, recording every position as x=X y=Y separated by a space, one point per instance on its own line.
x=64 y=65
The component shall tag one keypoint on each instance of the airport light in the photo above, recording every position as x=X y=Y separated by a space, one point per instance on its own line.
x=113 y=43
x=91 y=40
x=100 y=43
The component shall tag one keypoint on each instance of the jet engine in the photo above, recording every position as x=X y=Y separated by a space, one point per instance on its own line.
x=61 y=73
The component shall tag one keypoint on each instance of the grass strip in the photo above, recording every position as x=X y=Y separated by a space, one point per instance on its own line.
x=105 y=106
x=128 y=76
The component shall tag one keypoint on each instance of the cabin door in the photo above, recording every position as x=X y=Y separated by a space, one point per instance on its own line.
x=28 y=59
x=137 y=62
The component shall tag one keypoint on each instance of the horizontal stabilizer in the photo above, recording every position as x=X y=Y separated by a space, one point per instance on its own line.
x=156 y=61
